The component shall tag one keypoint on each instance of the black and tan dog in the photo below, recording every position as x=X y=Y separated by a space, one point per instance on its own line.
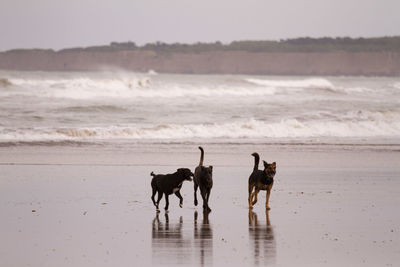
x=261 y=180
x=203 y=179
x=169 y=184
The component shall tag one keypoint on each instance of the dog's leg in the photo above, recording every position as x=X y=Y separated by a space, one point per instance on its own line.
x=166 y=202
x=268 y=195
x=255 y=194
x=207 y=197
x=267 y=216
x=160 y=194
x=178 y=194
x=152 y=196
x=203 y=196
x=195 y=192
x=251 y=186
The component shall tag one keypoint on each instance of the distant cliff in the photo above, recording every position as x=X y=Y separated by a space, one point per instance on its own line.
x=304 y=56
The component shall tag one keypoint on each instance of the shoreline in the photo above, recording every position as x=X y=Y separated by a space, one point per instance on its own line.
x=141 y=154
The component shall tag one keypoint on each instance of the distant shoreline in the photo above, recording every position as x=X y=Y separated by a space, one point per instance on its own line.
x=304 y=56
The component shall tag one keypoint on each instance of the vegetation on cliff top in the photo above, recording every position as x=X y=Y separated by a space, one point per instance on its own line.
x=305 y=45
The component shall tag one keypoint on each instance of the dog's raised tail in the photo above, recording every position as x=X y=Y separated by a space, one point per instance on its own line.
x=152 y=174
x=256 y=160
x=201 y=156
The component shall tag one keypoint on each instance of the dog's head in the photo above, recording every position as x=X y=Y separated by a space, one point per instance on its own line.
x=185 y=173
x=270 y=168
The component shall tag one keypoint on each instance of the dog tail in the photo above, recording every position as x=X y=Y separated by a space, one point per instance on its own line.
x=256 y=160
x=201 y=156
x=152 y=174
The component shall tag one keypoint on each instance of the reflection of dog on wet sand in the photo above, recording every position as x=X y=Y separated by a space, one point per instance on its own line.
x=203 y=179
x=204 y=236
x=168 y=242
x=164 y=230
x=262 y=237
x=169 y=184
x=261 y=180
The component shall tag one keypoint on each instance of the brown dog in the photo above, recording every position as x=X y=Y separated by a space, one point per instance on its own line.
x=261 y=180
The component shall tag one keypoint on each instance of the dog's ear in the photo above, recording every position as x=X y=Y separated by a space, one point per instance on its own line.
x=211 y=167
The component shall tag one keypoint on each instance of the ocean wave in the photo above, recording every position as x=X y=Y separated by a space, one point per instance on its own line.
x=287 y=128
x=304 y=83
x=140 y=87
x=313 y=84
x=81 y=88
x=151 y=86
x=93 y=109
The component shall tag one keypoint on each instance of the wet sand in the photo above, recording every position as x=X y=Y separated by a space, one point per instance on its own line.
x=90 y=206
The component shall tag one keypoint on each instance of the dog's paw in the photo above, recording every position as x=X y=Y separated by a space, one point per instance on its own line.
x=181 y=205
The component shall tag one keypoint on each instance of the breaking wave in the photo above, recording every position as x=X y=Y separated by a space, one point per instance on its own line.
x=150 y=86
x=305 y=83
x=139 y=87
x=252 y=129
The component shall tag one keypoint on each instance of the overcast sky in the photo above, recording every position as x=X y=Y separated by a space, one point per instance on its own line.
x=70 y=23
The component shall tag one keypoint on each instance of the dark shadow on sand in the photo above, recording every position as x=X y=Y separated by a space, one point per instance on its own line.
x=262 y=239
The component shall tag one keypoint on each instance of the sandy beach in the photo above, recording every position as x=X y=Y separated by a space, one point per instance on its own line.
x=90 y=206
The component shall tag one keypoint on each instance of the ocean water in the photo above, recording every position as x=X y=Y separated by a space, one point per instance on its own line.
x=44 y=108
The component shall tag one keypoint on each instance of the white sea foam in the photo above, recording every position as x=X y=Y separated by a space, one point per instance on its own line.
x=147 y=86
x=152 y=72
x=387 y=126
x=86 y=88
x=81 y=88
x=134 y=106
x=304 y=83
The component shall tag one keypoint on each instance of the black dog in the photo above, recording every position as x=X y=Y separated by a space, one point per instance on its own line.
x=203 y=179
x=168 y=184
x=261 y=180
